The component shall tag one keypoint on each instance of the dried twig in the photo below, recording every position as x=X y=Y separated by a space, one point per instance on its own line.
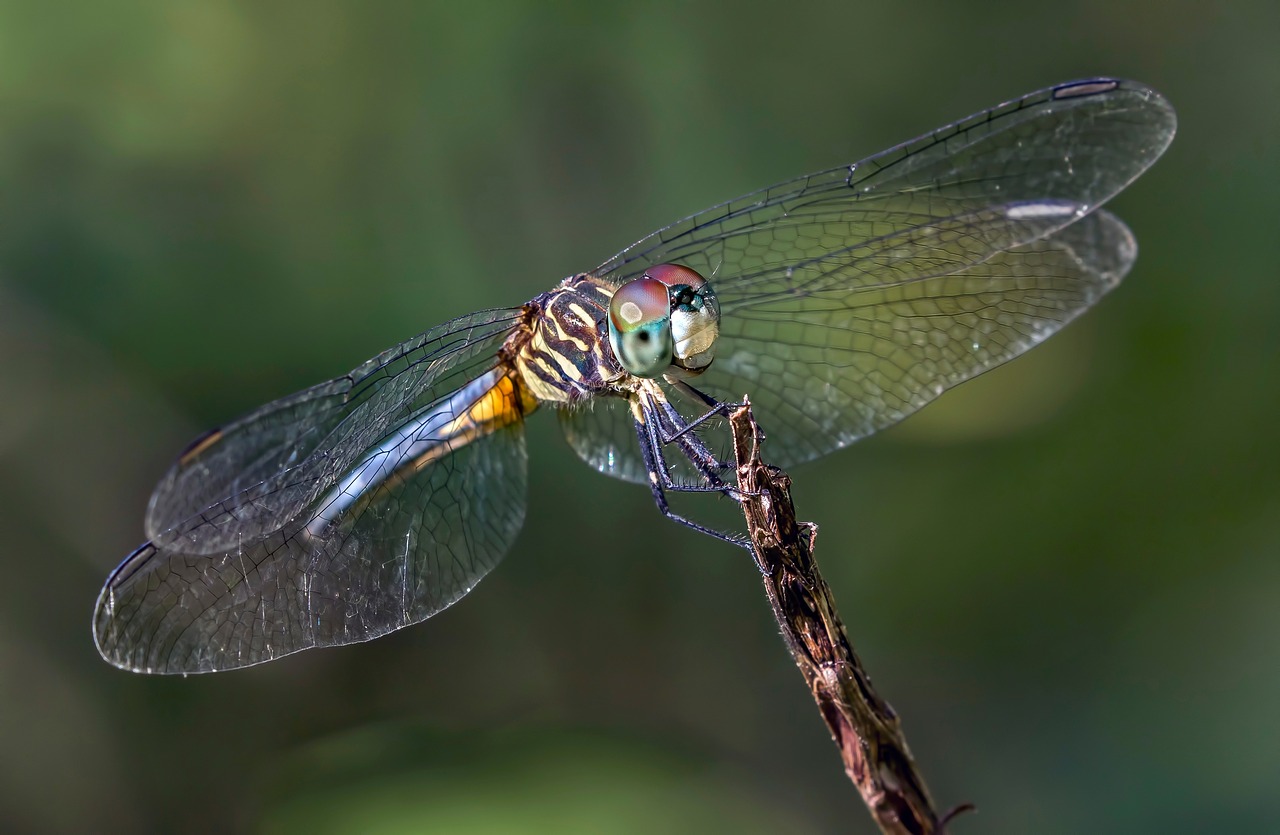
x=864 y=727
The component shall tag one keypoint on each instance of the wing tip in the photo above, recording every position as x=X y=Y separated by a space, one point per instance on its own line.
x=1148 y=98
x=1108 y=235
x=108 y=631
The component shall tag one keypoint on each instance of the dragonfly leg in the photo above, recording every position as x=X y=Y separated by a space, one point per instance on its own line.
x=714 y=407
x=672 y=427
x=679 y=432
x=660 y=481
x=665 y=427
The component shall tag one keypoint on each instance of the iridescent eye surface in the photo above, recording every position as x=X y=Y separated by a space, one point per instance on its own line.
x=695 y=317
x=673 y=275
x=640 y=327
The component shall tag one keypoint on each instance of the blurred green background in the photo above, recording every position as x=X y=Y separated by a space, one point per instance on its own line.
x=1064 y=576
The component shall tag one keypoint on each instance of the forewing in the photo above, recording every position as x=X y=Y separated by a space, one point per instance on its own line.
x=261 y=471
x=1078 y=143
x=411 y=550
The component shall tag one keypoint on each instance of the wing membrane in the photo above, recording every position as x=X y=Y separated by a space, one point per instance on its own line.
x=1080 y=143
x=603 y=433
x=829 y=368
x=420 y=542
x=254 y=475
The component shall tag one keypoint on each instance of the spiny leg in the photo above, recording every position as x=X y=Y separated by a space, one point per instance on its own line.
x=675 y=429
x=685 y=428
x=666 y=426
x=660 y=481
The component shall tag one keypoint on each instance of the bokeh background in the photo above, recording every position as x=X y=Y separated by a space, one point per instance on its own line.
x=1064 y=575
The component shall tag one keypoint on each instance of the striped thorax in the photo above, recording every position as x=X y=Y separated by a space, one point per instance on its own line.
x=563 y=358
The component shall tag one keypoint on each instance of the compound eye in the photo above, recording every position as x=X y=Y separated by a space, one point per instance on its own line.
x=695 y=317
x=640 y=327
x=674 y=275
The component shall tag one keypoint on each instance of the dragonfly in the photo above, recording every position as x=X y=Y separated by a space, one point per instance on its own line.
x=840 y=302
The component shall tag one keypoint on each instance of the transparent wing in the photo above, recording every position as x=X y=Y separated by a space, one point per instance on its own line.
x=296 y=525
x=852 y=297
x=1080 y=142
x=262 y=470
x=418 y=544
x=603 y=433
x=830 y=368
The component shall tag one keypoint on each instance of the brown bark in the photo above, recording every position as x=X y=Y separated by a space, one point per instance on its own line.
x=863 y=725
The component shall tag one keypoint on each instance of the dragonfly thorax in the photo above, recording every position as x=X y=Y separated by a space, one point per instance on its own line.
x=564 y=358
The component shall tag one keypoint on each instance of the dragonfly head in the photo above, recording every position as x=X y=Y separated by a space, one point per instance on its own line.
x=664 y=322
